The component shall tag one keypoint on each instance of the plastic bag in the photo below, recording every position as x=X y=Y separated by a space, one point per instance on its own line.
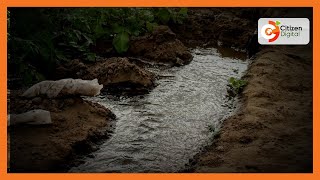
x=64 y=87
x=34 y=117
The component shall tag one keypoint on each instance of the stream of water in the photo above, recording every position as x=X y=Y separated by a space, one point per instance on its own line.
x=161 y=131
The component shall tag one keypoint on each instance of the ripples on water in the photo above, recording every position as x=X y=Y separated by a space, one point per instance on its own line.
x=161 y=131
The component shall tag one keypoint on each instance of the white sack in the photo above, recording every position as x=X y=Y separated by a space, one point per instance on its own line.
x=34 y=117
x=52 y=89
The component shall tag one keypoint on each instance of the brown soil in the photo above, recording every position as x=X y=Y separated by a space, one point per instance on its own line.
x=161 y=46
x=77 y=126
x=116 y=74
x=205 y=27
x=272 y=131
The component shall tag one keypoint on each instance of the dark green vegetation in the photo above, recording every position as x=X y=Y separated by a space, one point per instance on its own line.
x=235 y=87
x=41 y=38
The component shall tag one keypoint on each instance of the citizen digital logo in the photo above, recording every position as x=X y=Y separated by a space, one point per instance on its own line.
x=290 y=28
x=284 y=31
x=290 y=31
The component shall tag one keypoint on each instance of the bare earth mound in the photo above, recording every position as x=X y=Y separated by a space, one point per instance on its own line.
x=272 y=132
x=161 y=46
x=116 y=74
x=77 y=126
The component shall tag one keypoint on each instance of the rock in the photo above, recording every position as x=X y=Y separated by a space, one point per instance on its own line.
x=161 y=46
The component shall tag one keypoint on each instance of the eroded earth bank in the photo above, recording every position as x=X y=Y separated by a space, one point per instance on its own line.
x=271 y=131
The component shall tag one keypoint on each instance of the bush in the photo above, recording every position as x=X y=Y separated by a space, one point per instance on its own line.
x=43 y=37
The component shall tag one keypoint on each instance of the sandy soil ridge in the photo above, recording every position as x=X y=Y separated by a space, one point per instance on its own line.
x=272 y=132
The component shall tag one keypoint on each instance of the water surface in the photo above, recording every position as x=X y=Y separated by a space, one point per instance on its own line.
x=161 y=131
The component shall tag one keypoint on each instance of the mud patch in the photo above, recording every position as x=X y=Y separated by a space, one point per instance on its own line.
x=77 y=126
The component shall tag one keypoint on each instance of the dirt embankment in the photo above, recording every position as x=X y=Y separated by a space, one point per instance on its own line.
x=210 y=27
x=118 y=75
x=272 y=132
x=127 y=74
x=77 y=126
x=161 y=46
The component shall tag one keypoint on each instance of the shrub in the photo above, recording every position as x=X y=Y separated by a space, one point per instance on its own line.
x=40 y=38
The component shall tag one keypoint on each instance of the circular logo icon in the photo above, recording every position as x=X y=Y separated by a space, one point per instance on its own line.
x=270 y=31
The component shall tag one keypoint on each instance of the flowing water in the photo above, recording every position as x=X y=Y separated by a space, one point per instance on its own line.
x=161 y=131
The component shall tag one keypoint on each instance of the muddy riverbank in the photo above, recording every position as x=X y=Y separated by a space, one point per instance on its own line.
x=160 y=131
x=272 y=131
x=78 y=127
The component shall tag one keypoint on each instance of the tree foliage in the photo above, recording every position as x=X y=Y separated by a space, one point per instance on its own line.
x=39 y=38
